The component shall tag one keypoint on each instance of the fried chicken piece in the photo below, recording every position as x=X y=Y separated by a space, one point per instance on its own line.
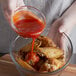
x=56 y=64
x=24 y=64
x=46 y=42
x=37 y=43
x=51 y=65
x=51 y=52
x=23 y=51
x=45 y=67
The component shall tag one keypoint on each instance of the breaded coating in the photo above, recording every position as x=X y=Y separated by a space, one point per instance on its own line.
x=46 y=42
x=51 y=52
x=24 y=64
x=51 y=65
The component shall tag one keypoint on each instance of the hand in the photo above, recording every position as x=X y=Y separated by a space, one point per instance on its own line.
x=54 y=32
x=9 y=6
x=63 y=24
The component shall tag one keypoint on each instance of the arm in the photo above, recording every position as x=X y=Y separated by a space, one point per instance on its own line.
x=66 y=22
x=8 y=6
x=69 y=19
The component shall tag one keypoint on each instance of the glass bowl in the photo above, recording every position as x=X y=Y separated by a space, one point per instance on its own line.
x=29 y=14
x=20 y=42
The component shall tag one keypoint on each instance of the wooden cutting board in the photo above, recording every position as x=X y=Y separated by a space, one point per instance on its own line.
x=7 y=68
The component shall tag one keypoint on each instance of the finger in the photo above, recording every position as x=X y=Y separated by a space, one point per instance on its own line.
x=58 y=39
x=19 y=3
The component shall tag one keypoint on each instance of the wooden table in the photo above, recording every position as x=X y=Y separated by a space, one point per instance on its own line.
x=7 y=68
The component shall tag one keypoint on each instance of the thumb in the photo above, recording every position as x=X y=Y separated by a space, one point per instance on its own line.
x=13 y=4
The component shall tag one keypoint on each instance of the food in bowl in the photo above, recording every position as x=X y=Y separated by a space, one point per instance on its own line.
x=47 y=57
